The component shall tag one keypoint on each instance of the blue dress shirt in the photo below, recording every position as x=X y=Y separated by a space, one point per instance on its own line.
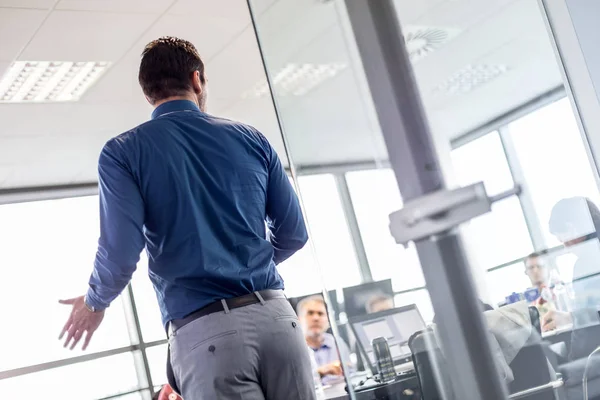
x=328 y=353
x=196 y=191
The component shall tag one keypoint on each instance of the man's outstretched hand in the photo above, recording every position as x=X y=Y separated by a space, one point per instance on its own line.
x=81 y=321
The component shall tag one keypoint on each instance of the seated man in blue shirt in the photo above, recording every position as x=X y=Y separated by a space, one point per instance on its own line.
x=198 y=191
x=315 y=323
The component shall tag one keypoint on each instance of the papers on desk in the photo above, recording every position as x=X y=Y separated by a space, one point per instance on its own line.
x=558 y=331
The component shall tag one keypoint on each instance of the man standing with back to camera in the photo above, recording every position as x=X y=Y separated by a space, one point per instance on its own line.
x=196 y=190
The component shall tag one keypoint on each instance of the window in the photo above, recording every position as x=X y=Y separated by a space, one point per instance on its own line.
x=142 y=395
x=498 y=236
x=330 y=239
x=501 y=235
x=375 y=196
x=504 y=281
x=553 y=158
x=157 y=360
x=48 y=249
x=483 y=160
x=421 y=299
x=89 y=380
x=147 y=303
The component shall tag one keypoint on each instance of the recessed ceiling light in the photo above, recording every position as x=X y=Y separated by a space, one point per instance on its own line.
x=423 y=40
x=296 y=79
x=470 y=77
x=48 y=81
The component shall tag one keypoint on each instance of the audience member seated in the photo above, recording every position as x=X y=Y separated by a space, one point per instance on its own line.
x=378 y=303
x=537 y=272
x=313 y=317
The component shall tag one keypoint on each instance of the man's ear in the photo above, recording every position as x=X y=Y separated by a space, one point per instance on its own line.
x=197 y=83
x=148 y=100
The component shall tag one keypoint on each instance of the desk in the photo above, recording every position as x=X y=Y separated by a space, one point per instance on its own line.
x=401 y=389
x=557 y=332
x=336 y=392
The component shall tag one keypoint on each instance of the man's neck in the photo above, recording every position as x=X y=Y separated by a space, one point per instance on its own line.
x=191 y=98
x=315 y=341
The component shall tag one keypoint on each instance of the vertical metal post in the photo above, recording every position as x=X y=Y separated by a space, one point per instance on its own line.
x=463 y=334
x=352 y=221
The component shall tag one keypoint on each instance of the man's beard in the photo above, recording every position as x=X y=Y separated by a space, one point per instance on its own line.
x=202 y=97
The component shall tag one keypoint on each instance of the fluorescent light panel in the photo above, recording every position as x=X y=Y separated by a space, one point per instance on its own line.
x=470 y=77
x=297 y=79
x=49 y=81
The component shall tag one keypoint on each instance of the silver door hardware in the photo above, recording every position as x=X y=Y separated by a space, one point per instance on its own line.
x=441 y=211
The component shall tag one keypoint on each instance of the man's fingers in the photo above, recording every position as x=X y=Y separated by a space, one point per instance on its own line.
x=76 y=338
x=548 y=322
x=71 y=332
x=66 y=327
x=68 y=301
x=88 y=337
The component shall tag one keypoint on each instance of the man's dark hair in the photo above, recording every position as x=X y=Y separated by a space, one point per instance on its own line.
x=167 y=66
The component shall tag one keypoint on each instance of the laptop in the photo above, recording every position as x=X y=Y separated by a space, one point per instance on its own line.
x=396 y=325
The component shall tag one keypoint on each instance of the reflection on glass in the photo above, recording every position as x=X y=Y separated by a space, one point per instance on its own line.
x=89 y=380
x=48 y=248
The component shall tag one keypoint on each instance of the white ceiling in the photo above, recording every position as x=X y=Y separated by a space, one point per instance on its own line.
x=50 y=144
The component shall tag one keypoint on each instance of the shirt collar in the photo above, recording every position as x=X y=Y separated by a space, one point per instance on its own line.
x=173 y=106
x=328 y=341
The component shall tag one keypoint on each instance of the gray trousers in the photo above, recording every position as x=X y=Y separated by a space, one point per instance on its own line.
x=256 y=352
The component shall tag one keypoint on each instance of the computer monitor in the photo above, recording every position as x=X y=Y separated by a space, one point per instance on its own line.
x=396 y=325
x=357 y=297
x=332 y=296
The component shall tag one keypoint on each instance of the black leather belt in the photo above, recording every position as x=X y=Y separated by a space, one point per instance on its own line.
x=232 y=303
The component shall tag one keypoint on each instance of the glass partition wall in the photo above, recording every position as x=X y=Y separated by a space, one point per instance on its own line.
x=495 y=94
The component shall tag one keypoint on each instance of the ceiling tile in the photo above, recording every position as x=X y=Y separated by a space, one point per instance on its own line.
x=203 y=11
x=221 y=32
x=17 y=26
x=236 y=69
x=86 y=36
x=39 y=4
x=117 y=6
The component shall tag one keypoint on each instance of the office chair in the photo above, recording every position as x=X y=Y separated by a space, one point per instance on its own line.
x=529 y=366
x=426 y=354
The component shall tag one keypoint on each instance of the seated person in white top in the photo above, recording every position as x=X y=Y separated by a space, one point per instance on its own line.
x=313 y=317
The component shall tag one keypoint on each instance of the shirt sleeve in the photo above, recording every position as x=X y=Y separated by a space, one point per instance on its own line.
x=121 y=228
x=284 y=215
